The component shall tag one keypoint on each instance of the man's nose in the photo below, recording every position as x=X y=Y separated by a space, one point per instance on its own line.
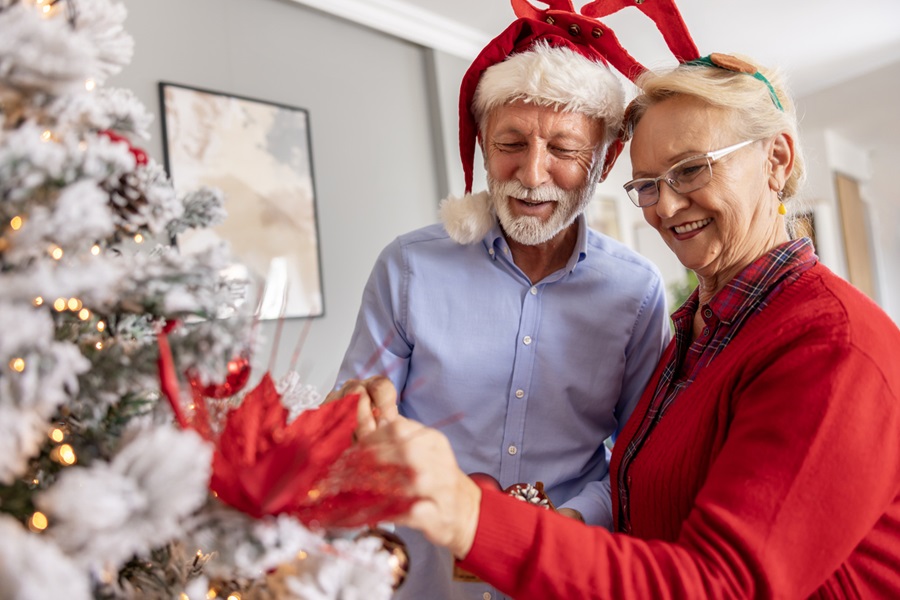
x=535 y=168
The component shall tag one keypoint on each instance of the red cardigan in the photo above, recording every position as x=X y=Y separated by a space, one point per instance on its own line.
x=776 y=474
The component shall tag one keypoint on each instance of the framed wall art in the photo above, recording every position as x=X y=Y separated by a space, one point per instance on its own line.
x=258 y=153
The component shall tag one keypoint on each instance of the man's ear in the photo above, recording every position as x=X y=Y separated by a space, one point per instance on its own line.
x=612 y=154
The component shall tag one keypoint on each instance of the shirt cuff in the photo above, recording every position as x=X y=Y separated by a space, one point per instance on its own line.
x=593 y=513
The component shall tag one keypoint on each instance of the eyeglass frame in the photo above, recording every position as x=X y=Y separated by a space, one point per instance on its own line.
x=711 y=157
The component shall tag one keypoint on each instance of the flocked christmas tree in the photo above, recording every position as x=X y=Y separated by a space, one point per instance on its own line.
x=102 y=493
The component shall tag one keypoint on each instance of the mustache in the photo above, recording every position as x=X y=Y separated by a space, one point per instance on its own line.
x=549 y=192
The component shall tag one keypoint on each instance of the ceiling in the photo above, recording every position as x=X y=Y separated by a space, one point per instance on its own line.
x=819 y=45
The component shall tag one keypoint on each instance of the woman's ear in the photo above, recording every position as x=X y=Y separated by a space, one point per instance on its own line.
x=781 y=161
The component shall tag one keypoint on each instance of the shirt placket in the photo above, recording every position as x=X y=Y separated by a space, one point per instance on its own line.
x=519 y=393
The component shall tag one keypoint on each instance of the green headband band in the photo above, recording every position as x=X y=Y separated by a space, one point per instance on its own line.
x=730 y=63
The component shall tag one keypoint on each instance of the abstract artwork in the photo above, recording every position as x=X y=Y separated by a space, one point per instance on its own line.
x=259 y=155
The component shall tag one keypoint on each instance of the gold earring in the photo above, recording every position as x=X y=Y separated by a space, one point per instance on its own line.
x=781 y=209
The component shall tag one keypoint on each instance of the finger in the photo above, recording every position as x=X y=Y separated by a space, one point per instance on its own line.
x=384 y=397
x=365 y=417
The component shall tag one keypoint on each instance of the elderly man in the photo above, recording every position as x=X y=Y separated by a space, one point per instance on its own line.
x=522 y=334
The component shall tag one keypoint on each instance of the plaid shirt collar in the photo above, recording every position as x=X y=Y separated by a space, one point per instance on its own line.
x=750 y=285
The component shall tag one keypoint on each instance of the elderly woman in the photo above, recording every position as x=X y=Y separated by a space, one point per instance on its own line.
x=764 y=457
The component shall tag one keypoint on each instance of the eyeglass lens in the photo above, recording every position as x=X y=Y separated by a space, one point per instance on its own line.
x=683 y=178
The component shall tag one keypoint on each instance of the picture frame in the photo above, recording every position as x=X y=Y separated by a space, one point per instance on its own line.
x=259 y=154
x=602 y=214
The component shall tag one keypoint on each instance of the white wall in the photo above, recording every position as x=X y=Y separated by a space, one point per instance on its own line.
x=374 y=168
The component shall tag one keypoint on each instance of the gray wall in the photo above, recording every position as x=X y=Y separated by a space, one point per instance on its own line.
x=373 y=159
x=383 y=117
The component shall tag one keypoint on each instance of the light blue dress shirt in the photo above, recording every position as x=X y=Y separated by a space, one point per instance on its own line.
x=526 y=380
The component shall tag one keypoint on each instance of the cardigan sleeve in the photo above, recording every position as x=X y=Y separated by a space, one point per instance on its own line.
x=810 y=465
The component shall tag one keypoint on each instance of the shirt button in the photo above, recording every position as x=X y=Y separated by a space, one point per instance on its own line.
x=706 y=331
x=526 y=340
x=512 y=450
x=486 y=596
x=520 y=393
x=491 y=251
x=707 y=313
x=533 y=291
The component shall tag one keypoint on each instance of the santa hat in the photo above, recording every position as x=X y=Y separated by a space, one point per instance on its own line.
x=552 y=57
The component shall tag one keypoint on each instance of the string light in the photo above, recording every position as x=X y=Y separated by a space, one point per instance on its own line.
x=60 y=304
x=184 y=596
x=74 y=304
x=95 y=249
x=90 y=84
x=138 y=238
x=17 y=364
x=47 y=135
x=84 y=314
x=234 y=596
x=16 y=223
x=56 y=252
x=57 y=435
x=212 y=594
x=302 y=555
x=38 y=301
x=101 y=325
x=38 y=521
x=64 y=454
x=99 y=345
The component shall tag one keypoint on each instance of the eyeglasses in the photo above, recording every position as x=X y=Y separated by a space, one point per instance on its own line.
x=684 y=177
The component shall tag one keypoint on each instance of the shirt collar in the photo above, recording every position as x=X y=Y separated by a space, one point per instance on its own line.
x=495 y=243
x=750 y=284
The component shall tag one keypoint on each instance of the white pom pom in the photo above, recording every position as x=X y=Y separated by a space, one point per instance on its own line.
x=467 y=219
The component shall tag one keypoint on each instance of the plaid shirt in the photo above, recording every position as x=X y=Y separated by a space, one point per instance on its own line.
x=741 y=298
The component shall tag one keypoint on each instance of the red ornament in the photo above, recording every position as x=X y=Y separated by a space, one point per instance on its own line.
x=140 y=157
x=238 y=375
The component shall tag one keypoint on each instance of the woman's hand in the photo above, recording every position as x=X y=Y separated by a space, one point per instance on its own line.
x=449 y=501
x=377 y=401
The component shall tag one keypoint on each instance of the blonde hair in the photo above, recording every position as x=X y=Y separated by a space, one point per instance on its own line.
x=755 y=113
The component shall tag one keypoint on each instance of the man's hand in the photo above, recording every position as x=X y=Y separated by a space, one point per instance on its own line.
x=571 y=513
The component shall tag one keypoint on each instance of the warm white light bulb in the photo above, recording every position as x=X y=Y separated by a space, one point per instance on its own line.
x=38 y=521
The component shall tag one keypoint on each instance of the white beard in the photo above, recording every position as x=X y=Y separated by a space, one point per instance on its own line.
x=532 y=231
